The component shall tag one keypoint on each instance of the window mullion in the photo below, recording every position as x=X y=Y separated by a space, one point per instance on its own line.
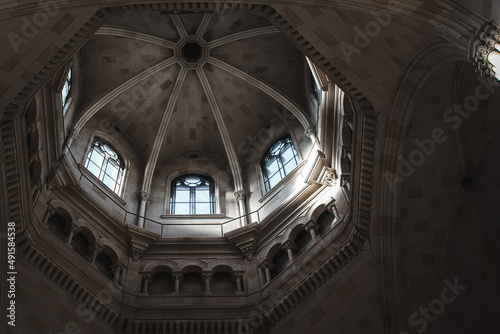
x=192 y=200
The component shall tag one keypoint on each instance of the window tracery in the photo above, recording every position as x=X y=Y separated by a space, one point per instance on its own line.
x=106 y=164
x=192 y=194
x=279 y=160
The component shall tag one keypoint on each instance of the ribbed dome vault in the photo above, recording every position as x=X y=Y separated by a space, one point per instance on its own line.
x=179 y=83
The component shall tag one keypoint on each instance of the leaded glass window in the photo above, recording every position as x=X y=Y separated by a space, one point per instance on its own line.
x=67 y=88
x=106 y=164
x=279 y=160
x=192 y=195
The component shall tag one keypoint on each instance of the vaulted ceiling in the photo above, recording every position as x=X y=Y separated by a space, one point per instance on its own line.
x=139 y=74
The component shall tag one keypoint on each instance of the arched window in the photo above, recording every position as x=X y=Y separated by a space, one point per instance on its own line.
x=67 y=88
x=192 y=194
x=106 y=164
x=279 y=160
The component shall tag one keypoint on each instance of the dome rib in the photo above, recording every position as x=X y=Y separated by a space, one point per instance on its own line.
x=242 y=35
x=151 y=164
x=203 y=25
x=226 y=139
x=274 y=93
x=133 y=34
x=107 y=97
x=179 y=26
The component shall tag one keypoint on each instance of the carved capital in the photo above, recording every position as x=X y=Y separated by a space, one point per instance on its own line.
x=74 y=229
x=147 y=275
x=240 y=195
x=177 y=276
x=248 y=252
x=96 y=247
x=34 y=157
x=144 y=196
x=237 y=275
x=347 y=122
x=346 y=151
x=207 y=275
x=485 y=42
x=74 y=134
x=330 y=207
x=289 y=244
x=345 y=180
x=140 y=240
x=311 y=225
x=52 y=182
x=32 y=127
x=136 y=254
x=51 y=210
x=266 y=264
x=310 y=131
x=330 y=177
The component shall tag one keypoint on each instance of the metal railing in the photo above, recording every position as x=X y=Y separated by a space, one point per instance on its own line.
x=135 y=217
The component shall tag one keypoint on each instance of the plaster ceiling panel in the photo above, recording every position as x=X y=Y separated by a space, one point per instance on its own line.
x=245 y=109
x=371 y=55
x=271 y=58
x=226 y=22
x=110 y=61
x=139 y=110
x=154 y=23
x=192 y=126
x=191 y=22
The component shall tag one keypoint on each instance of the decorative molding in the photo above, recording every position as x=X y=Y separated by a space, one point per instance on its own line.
x=328 y=177
x=136 y=253
x=266 y=264
x=487 y=37
x=74 y=134
x=53 y=181
x=310 y=131
x=289 y=244
x=144 y=196
x=140 y=240
x=245 y=239
x=240 y=195
x=248 y=251
x=311 y=225
x=69 y=284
